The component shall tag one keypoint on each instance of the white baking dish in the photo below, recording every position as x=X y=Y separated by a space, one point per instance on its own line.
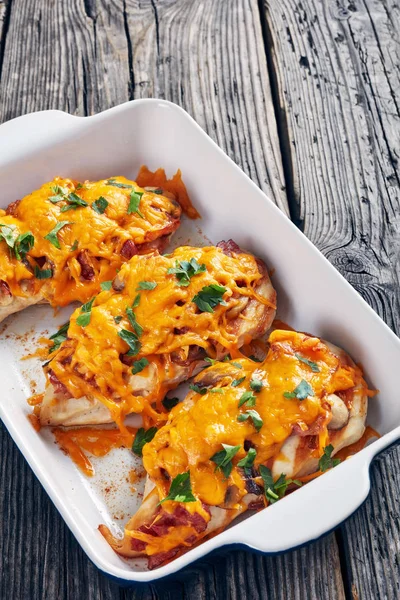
x=312 y=296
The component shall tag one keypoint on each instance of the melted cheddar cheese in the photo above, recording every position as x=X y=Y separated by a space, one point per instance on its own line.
x=92 y=361
x=87 y=237
x=198 y=427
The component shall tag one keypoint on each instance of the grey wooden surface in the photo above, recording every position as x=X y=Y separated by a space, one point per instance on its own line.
x=305 y=98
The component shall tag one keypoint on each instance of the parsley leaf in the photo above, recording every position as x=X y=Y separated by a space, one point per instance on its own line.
x=52 y=235
x=139 y=365
x=117 y=183
x=198 y=389
x=142 y=437
x=59 y=337
x=136 y=301
x=185 y=270
x=73 y=202
x=100 y=205
x=23 y=244
x=236 y=364
x=326 y=462
x=74 y=246
x=169 y=403
x=84 y=318
x=42 y=273
x=313 y=365
x=248 y=461
x=212 y=361
x=131 y=339
x=237 y=382
x=134 y=203
x=217 y=390
x=8 y=234
x=146 y=285
x=223 y=459
x=256 y=385
x=138 y=329
x=118 y=319
x=209 y=297
x=106 y=286
x=301 y=392
x=157 y=191
x=247 y=398
x=181 y=489
x=254 y=416
x=275 y=490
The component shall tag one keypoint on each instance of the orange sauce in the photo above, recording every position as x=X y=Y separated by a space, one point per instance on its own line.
x=97 y=442
x=368 y=434
x=35 y=422
x=147 y=178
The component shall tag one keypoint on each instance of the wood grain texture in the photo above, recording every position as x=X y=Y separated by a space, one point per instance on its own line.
x=338 y=85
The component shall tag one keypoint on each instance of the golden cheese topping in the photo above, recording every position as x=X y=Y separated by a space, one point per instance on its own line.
x=290 y=393
x=82 y=233
x=148 y=303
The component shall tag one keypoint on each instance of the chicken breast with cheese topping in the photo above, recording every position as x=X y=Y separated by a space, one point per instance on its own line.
x=241 y=439
x=59 y=243
x=156 y=325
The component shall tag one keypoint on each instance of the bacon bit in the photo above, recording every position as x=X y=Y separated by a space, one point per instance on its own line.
x=129 y=249
x=158 y=559
x=98 y=442
x=35 y=421
x=59 y=387
x=87 y=270
x=230 y=247
x=147 y=178
x=271 y=272
x=4 y=288
x=12 y=208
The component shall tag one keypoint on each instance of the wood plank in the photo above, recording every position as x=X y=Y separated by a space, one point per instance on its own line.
x=338 y=84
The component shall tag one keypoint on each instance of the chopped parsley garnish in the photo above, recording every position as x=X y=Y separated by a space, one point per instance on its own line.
x=209 y=297
x=326 y=462
x=138 y=329
x=181 y=489
x=8 y=234
x=157 y=191
x=106 y=286
x=100 y=205
x=248 y=461
x=313 y=365
x=131 y=339
x=275 y=490
x=117 y=184
x=198 y=389
x=254 y=358
x=59 y=337
x=169 y=403
x=301 y=392
x=52 y=236
x=118 y=319
x=223 y=459
x=237 y=382
x=139 y=365
x=185 y=270
x=42 y=273
x=59 y=194
x=247 y=398
x=134 y=202
x=212 y=361
x=146 y=285
x=217 y=390
x=256 y=385
x=254 y=416
x=136 y=301
x=73 y=202
x=236 y=364
x=142 y=437
x=86 y=310
x=23 y=244
x=74 y=246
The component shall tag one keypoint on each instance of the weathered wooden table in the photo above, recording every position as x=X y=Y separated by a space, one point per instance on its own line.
x=305 y=97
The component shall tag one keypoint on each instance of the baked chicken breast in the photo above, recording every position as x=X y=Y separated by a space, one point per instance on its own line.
x=61 y=241
x=240 y=440
x=154 y=326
